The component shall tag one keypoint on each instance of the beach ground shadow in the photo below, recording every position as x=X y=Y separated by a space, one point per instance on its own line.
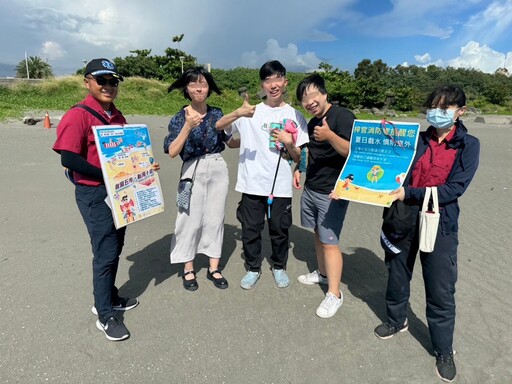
x=365 y=275
x=152 y=263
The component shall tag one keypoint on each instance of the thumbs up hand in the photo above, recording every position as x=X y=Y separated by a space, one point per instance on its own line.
x=246 y=110
x=322 y=132
x=192 y=118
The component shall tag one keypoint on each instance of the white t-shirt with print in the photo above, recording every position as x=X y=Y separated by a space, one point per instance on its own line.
x=258 y=162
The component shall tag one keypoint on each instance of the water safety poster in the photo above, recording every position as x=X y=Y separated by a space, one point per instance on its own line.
x=126 y=157
x=381 y=153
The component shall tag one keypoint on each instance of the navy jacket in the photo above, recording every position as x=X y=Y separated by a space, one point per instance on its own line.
x=464 y=168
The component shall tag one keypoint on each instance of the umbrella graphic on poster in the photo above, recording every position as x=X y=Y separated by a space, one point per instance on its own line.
x=381 y=153
x=126 y=157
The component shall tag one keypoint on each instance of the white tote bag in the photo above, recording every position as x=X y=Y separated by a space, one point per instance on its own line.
x=429 y=221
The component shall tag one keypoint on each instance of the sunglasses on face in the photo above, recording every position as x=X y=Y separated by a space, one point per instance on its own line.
x=103 y=81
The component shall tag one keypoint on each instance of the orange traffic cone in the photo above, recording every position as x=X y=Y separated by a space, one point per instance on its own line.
x=47 y=124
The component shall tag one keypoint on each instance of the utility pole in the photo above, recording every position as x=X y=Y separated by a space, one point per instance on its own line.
x=26 y=65
x=182 y=58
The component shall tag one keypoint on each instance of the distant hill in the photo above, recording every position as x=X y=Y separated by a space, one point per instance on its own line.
x=7 y=70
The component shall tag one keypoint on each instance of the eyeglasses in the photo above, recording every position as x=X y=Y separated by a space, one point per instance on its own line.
x=272 y=80
x=309 y=97
x=197 y=85
x=445 y=110
x=103 y=81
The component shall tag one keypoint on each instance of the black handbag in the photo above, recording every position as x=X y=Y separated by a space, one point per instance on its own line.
x=396 y=225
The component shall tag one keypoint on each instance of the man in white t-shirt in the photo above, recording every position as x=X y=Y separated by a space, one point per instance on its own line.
x=267 y=139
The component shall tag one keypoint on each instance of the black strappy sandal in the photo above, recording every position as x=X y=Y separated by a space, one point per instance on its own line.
x=220 y=283
x=190 y=285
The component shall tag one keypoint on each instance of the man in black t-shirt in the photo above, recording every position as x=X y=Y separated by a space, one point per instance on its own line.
x=329 y=134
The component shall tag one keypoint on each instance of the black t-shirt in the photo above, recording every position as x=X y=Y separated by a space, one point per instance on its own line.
x=324 y=163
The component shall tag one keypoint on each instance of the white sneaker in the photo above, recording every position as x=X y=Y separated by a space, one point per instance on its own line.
x=329 y=306
x=312 y=278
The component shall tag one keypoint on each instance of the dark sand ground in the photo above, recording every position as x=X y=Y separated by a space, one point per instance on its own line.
x=266 y=335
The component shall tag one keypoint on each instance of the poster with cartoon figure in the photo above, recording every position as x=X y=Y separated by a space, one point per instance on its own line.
x=133 y=186
x=381 y=153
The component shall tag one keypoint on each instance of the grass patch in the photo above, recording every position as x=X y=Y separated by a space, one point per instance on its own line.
x=137 y=96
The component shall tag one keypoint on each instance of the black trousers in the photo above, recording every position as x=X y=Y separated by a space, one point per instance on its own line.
x=251 y=213
x=439 y=277
x=107 y=243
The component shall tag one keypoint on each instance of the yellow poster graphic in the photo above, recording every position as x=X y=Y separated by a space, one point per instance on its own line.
x=126 y=157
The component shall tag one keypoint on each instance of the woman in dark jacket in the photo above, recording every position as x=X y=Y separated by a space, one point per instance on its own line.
x=447 y=157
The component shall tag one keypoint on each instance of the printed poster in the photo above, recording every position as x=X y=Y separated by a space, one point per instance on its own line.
x=380 y=156
x=133 y=187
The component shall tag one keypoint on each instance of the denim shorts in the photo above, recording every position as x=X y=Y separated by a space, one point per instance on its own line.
x=323 y=214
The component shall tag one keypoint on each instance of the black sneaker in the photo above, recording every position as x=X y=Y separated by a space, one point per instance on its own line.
x=113 y=328
x=124 y=304
x=387 y=331
x=445 y=367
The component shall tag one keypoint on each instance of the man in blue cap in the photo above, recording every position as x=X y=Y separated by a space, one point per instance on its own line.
x=76 y=145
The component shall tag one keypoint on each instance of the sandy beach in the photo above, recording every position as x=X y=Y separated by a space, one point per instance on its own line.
x=266 y=335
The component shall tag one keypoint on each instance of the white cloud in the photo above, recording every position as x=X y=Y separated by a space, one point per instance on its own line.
x=317 y=35
x=476 y=56
x=52 y=50
x=289 y=57
x=482 y=57
x=108 y=15
x=491 y=23
x=423 y=58
x=217 y=32
x=230 y=33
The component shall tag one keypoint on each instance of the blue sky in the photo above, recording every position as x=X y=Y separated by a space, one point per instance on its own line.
x=230 y=33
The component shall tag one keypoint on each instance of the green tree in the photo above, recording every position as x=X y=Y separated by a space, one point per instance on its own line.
x=340 y=85
x=173 y=60
x=371 y=85
x=409 y=85
x=403 y=98
x=37 y=68
x=497 y=91
x=326 y=67
x=237 y=78
x=141 y=64
x=177 y=39
x=372 y=82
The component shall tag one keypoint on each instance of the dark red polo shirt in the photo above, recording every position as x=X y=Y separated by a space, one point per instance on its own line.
x=432 y=169
x=74 y=134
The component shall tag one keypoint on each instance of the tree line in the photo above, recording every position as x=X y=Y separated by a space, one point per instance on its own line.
x=373 y=84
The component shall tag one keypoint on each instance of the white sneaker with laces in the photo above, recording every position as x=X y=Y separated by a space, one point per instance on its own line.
x=312 y=278
x=329 y=306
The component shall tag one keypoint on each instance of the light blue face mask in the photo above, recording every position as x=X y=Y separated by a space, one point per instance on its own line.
x=441 y=118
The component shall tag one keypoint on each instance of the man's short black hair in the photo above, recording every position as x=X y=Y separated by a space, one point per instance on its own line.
x=316 y=80
x=271 y=68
